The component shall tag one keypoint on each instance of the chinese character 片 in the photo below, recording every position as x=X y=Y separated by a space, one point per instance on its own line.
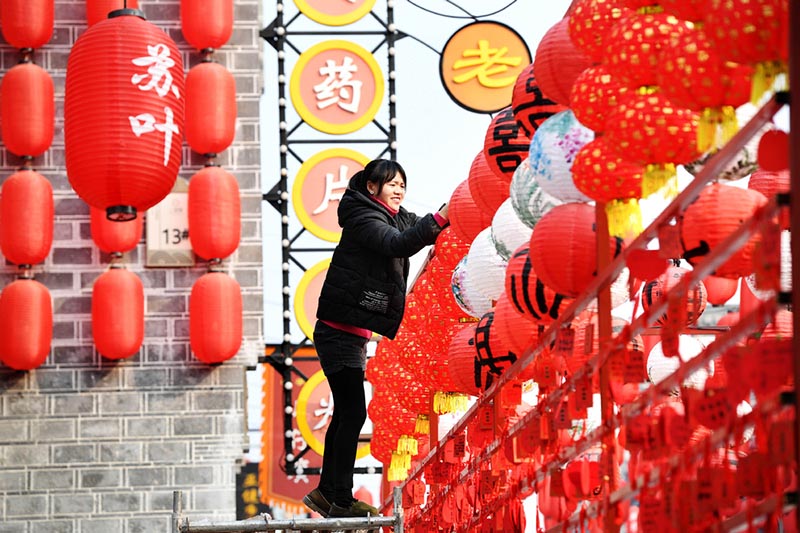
x=334 y=188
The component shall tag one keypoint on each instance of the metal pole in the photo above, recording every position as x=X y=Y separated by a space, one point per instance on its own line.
x=794 y=169
x=177 y=502
x=398 y=509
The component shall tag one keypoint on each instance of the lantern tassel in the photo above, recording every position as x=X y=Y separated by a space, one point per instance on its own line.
x=407 y=445
x=422 y=426
x=716 y=127
x=660 y=177
x=764 y=77
x=624 y=218
x=398 y=467
x=449 y=402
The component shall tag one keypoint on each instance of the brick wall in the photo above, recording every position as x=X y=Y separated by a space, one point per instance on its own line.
x=92 y=445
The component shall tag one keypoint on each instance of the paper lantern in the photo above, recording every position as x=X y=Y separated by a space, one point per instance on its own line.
x=691 y=10
x=773 y=150
x=508 y=231
x=655 y=292
x=461 y=361
x=214 y=213
x=558 y=63
x=27 y=23
x=602 y=175
x=529 y=105
x=720 y=290
x=519 y=333
x=718 y=211
x=494 y=356
x=590 y=25
x=485 y=266
x=123 y=115
x=769 y=183
x=530 y=202
x=26 y=218
x=26 y=324
x=210 y=108
x=215 y=318
x=207 y=24
x=466 y=218
x=552 y=151
x=505 y=144
x=114 y=237
x=659 y=367
x=563 y=248
x=487 y=190
x=527 y=294
x=27 y=101
x=587 y=341
x=98 y=10
x=118 y=313
x=449 y=248
x=467 y=296
x=596 y=91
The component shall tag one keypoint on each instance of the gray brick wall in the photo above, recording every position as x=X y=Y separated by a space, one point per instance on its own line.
x=92 y=445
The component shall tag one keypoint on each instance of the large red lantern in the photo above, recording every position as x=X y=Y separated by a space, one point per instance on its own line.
x=210 y=108
x=207 y=24
x=558 y=63
x=506 y=144
x=590 y=24
x=123 y=115
x=595 y=92
x=527 y=294
x=720 y=290
x=27 y=23
x=461 y=364
x=529 y=105
x=118 y=313
x=26 y=218
x=26 y=324
x=215 y=317
x=487 y=190
x=214 y=213
x=450 y=248
x=520 y=334
x=114 y=237
x=98 y=10
x=27 y=98
x=466 y=218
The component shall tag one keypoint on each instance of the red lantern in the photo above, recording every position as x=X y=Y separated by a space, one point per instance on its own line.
x=207 y=24
x=26 y=324
x=520 y=334
x=691 y=10
x=27 y=23
x=527 y=294
x=210 y=108
x=590 y=24
x=718 y=211
x=123 y=115
x=466 y=218
x=769 y=183
x=506 y=144
x=450 y=248
x=529 y=105
x=773 y=151
x=118 y=313
x=720 y=290
x=98 y=10
x=26 y=218
x=655 y=292
x=214 y=213
x=461 y=364
x=595 y=92
x=487 y=190
x=558 y=63
x=494 y=354
x=215 y=318
x=28 y=109
x=563 y=248
x=114 y=237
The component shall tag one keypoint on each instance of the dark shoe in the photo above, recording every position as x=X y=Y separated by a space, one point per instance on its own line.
x=356 y=508
x=317 y=501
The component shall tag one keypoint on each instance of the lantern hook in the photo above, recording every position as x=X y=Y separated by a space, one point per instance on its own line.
x=121 y=213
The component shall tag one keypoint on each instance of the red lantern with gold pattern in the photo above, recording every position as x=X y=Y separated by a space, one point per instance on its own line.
x=595 y=93
x=210 y=108
x=27 y=109
x=26 y=324
x=590 y=25
x=98 y=10
x=207 y=24
x=215 y=317
x=123 y=114
x=118 y=313
x=214 y=213
x=505 y=145
x=691 y=10
x=450 y=248
x=486 y=188
x=558 y=62
x=114 y=237
x=26 y=218
x=27 y=23
x=466 y=218
x=529 y=105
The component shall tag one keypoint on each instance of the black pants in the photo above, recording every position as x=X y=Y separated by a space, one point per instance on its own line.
x=341 y=438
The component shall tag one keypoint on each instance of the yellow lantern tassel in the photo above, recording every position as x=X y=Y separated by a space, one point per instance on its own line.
x=624 y=218
x=460 y=403
x=716 y=127
x=422 y=426
x=449 y=402
x=439 y=402
x=398 y=467
x=764 y=78
x=407 y=445
x=660 y=178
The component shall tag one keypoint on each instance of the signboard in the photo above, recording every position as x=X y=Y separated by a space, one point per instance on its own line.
x=307 y=295
x=336 y=87
x=335 y=12
x=480 y=64
x=318 y=187
x=248 y=504
x=167 y=235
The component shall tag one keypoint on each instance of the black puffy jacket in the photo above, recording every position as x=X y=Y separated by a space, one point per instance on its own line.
x=366 y=282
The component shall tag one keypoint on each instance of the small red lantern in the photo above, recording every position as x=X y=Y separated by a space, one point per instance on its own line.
x=769 y=183
x=123 y=114
x=214 y=213
x=215 y=318
x=529 y=105
x=461 y=364
x=27 y=23
x=527 y=294
x=655 y=292
x=773 y=151
x=595 y=92
x=466 y=218
x=114 y=237
x=450 y=248
x=590 y=24
x=210 y=108
x=26 y=218
x=720 y=290
x=98 y=10
x=26 y=324
x=487 y=190
x=558 y=63
x=118 y=313
x=27 y=98
x=207 y=24
x=506 y=144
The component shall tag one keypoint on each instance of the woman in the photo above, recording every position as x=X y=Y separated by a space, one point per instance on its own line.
x=364 y=292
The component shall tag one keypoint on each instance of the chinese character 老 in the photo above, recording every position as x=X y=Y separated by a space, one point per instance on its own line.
x=486 y=62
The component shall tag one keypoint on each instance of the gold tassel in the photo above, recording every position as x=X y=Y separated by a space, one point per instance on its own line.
x=407 y=445
x=422 y=426
x=716 y=127
x=460 y=403
x=449 y=402
x=764 y=78
x=398 y=467
x=624 y=218
x=662 y=178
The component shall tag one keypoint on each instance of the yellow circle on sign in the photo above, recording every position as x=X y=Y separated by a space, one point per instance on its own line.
x=324 y=168
x=334 y=13
x=328 y=94
x=302 y=417
x=307 y=295
x=480 y=64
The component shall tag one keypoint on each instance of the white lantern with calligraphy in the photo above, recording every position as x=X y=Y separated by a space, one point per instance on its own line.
x=123 y=114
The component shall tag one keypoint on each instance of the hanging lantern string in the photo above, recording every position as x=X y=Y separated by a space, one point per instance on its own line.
x=25 y=271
